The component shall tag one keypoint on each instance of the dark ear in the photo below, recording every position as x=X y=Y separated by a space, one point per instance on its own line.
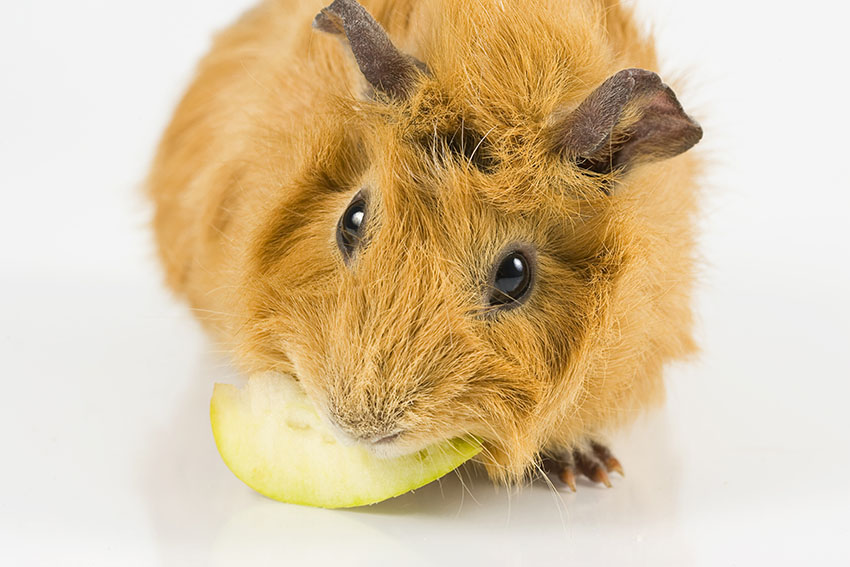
x=631 y=118
x=386 y=68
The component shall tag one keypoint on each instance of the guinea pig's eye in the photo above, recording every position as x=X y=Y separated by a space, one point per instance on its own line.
x=350 y=228
x=512 y=280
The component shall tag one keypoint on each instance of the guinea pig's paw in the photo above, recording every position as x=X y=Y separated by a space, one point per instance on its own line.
x=591 y=459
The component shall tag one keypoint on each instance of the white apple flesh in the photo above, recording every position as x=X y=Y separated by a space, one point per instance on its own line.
x=271 y=437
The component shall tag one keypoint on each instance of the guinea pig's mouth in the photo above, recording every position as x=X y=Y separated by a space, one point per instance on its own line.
x=388 y=438
x=396 y=443
x=386 y=446
x=393 y=445
x=390 y=446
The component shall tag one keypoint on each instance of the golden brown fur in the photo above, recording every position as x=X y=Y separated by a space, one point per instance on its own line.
x=272 y=140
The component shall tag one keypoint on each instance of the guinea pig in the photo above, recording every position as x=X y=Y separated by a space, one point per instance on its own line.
x=443 y=217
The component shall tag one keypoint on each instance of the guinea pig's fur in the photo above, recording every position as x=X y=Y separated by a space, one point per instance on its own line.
x=279 y=131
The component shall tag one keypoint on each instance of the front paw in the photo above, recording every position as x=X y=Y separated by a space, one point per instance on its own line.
x=591 y=459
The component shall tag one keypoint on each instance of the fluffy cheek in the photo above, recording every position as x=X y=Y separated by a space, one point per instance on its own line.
x=282 y=335
x=501 y=412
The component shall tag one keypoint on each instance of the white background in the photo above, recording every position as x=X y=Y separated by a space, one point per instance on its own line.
x=107 y=456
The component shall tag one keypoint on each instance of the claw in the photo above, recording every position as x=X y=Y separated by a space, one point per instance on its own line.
x=610 y=461
x=592 y=467
x=601 y=475
x=568 y=477
x=613 y=465
x=593 y=461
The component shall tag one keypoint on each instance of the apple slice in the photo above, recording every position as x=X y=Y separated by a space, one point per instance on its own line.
x=271 y=437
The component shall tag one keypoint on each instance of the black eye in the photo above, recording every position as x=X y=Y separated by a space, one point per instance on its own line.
x=512 y=281
x=350 y=228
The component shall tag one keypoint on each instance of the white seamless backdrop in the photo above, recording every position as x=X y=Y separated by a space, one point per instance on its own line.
x=107 y=454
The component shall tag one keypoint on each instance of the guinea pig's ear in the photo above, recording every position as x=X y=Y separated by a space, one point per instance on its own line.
x=386 y=68
x=631 y=118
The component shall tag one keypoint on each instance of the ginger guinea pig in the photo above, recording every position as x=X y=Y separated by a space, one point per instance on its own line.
x=443 y=217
